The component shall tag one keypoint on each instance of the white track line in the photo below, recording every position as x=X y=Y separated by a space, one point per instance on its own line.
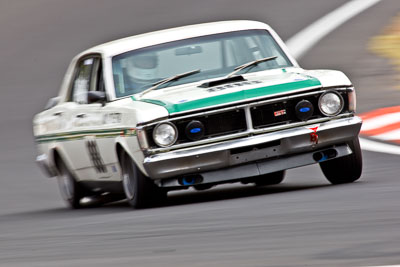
x=392 y=135
x=373 y=146
x=304 y=40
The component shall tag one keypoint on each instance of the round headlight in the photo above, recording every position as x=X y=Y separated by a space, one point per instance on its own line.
x=330 y=103
x=165 y=134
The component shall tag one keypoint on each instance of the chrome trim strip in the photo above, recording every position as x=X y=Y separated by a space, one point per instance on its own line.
x=249 y=120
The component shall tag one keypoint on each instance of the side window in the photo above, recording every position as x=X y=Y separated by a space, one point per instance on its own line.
x=82 y=81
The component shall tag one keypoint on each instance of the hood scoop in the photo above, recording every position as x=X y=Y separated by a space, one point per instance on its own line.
x=238 y=78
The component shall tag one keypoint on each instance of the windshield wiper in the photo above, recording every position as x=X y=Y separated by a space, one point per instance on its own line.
x=249 y=64
x=167 y=80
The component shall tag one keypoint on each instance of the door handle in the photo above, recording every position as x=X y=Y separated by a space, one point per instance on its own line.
x=81 y=115
x=58 y=113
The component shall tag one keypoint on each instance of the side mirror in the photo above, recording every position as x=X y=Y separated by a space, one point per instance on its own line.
x=97 y=97
x=52 y=102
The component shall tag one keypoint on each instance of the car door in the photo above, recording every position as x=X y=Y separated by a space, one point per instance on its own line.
x=84 y=120
x=93 y=119
x=94 y=124
x=106 y=119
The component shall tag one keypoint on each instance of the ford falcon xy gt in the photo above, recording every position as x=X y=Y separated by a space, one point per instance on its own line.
x=194 y=106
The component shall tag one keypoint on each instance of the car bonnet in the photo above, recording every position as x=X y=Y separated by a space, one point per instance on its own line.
x=188 y=98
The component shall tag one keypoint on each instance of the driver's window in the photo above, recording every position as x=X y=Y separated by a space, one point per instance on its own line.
x=82 y=81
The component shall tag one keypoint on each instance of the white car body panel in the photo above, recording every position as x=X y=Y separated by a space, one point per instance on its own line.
x=329 y=78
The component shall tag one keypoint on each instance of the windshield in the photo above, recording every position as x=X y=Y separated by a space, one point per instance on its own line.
x=215 y=55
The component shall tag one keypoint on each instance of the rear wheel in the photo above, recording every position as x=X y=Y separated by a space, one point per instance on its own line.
x=71 y=191
x=139 y=190
x=270 y=178
x=345 y=169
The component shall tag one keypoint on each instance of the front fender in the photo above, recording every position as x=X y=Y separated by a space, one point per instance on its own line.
x=130 y=145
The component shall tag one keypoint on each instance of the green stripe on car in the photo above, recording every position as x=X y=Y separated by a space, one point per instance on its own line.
x=235 y=96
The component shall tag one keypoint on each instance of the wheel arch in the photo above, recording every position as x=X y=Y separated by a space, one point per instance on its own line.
x=119 y=150
x=56 y=155
x=122 y=146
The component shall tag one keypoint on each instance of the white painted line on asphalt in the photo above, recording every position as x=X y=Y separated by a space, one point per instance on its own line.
x=388 y=136
x=374 y=146
x=300 y=43
x=304 y=40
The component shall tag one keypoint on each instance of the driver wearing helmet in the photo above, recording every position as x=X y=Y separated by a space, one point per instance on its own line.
x=141 y=71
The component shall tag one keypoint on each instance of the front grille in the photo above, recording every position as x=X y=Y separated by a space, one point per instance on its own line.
x=234 y=120
x=224 y=123
x=281 y=113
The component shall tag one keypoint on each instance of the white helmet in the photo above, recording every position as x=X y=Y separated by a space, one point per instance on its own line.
x=142 y=67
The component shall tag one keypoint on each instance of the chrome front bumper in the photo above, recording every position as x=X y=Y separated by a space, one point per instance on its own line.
x=263 y=147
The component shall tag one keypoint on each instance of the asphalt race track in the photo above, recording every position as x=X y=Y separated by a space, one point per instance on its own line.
x=303 y=222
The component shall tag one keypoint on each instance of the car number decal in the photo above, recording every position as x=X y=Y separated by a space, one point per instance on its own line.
x=95 y=156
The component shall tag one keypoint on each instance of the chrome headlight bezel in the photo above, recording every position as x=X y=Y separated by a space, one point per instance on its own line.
x=173 y=138
x=352 y=99
x=321 y=99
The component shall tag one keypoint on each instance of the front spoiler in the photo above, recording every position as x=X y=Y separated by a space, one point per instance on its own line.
x=262 y=147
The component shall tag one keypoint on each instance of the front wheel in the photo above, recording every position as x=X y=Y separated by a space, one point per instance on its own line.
x=345 y=169
x=139 y=190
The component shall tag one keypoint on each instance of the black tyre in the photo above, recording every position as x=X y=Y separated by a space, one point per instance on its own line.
x=139 y=190
x=71 y=191
x=345 y=169
x=270 y=178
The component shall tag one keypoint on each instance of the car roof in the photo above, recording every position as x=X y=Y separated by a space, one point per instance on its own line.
x=163 y=36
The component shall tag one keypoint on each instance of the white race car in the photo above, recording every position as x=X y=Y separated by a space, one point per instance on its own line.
x=194 y=106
